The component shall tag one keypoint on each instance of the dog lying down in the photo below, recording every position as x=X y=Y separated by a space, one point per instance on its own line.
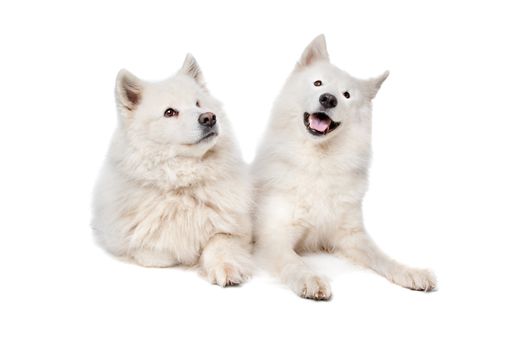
x=310 y=176
x=174 y=189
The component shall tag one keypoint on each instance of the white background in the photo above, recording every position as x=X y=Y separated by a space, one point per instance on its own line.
x=446 y=188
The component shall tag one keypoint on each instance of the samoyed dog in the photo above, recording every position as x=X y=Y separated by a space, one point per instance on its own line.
x=310 y=176
x=174 y=189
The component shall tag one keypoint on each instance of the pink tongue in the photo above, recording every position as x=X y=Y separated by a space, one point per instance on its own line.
x=319 y=124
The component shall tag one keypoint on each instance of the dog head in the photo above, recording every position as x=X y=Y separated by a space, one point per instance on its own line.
x=177 y=114
x=326 y=99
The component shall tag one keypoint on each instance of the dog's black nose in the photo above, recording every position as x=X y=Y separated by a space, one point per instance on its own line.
x=207 y=119
x=328 y=100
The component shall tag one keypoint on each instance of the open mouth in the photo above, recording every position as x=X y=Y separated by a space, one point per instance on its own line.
x=208 y=136
x=319 y=123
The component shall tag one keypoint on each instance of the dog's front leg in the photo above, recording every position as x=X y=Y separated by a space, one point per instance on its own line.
x=357 y=246
x=226 y=259
x=281 y=259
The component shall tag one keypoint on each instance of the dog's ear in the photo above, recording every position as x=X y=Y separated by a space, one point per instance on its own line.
x=372 y=85
x=128 y=90
x=315 y=51
x=191 y=67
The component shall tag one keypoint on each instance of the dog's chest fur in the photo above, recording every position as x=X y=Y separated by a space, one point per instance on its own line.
x=178 y=220
x=327 y=187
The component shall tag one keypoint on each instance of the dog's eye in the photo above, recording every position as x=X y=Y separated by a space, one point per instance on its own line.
x=346 y=94
x=170 y=112
x=318 y=83
x=198 y=104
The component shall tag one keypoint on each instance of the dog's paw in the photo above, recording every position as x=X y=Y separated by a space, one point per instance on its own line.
x=226 y=261
x=313 y=287
x=415 y=279
x=149 y=258
x=227 y=274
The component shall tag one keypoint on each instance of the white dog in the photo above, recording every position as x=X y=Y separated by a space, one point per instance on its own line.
x=174 y=189
x=311 y=175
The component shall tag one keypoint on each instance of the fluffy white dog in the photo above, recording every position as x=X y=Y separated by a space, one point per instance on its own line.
x=311 y=175
x=174 y=189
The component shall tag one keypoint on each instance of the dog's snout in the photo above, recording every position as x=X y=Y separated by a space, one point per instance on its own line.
x=328 y=100
x=207 y=119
